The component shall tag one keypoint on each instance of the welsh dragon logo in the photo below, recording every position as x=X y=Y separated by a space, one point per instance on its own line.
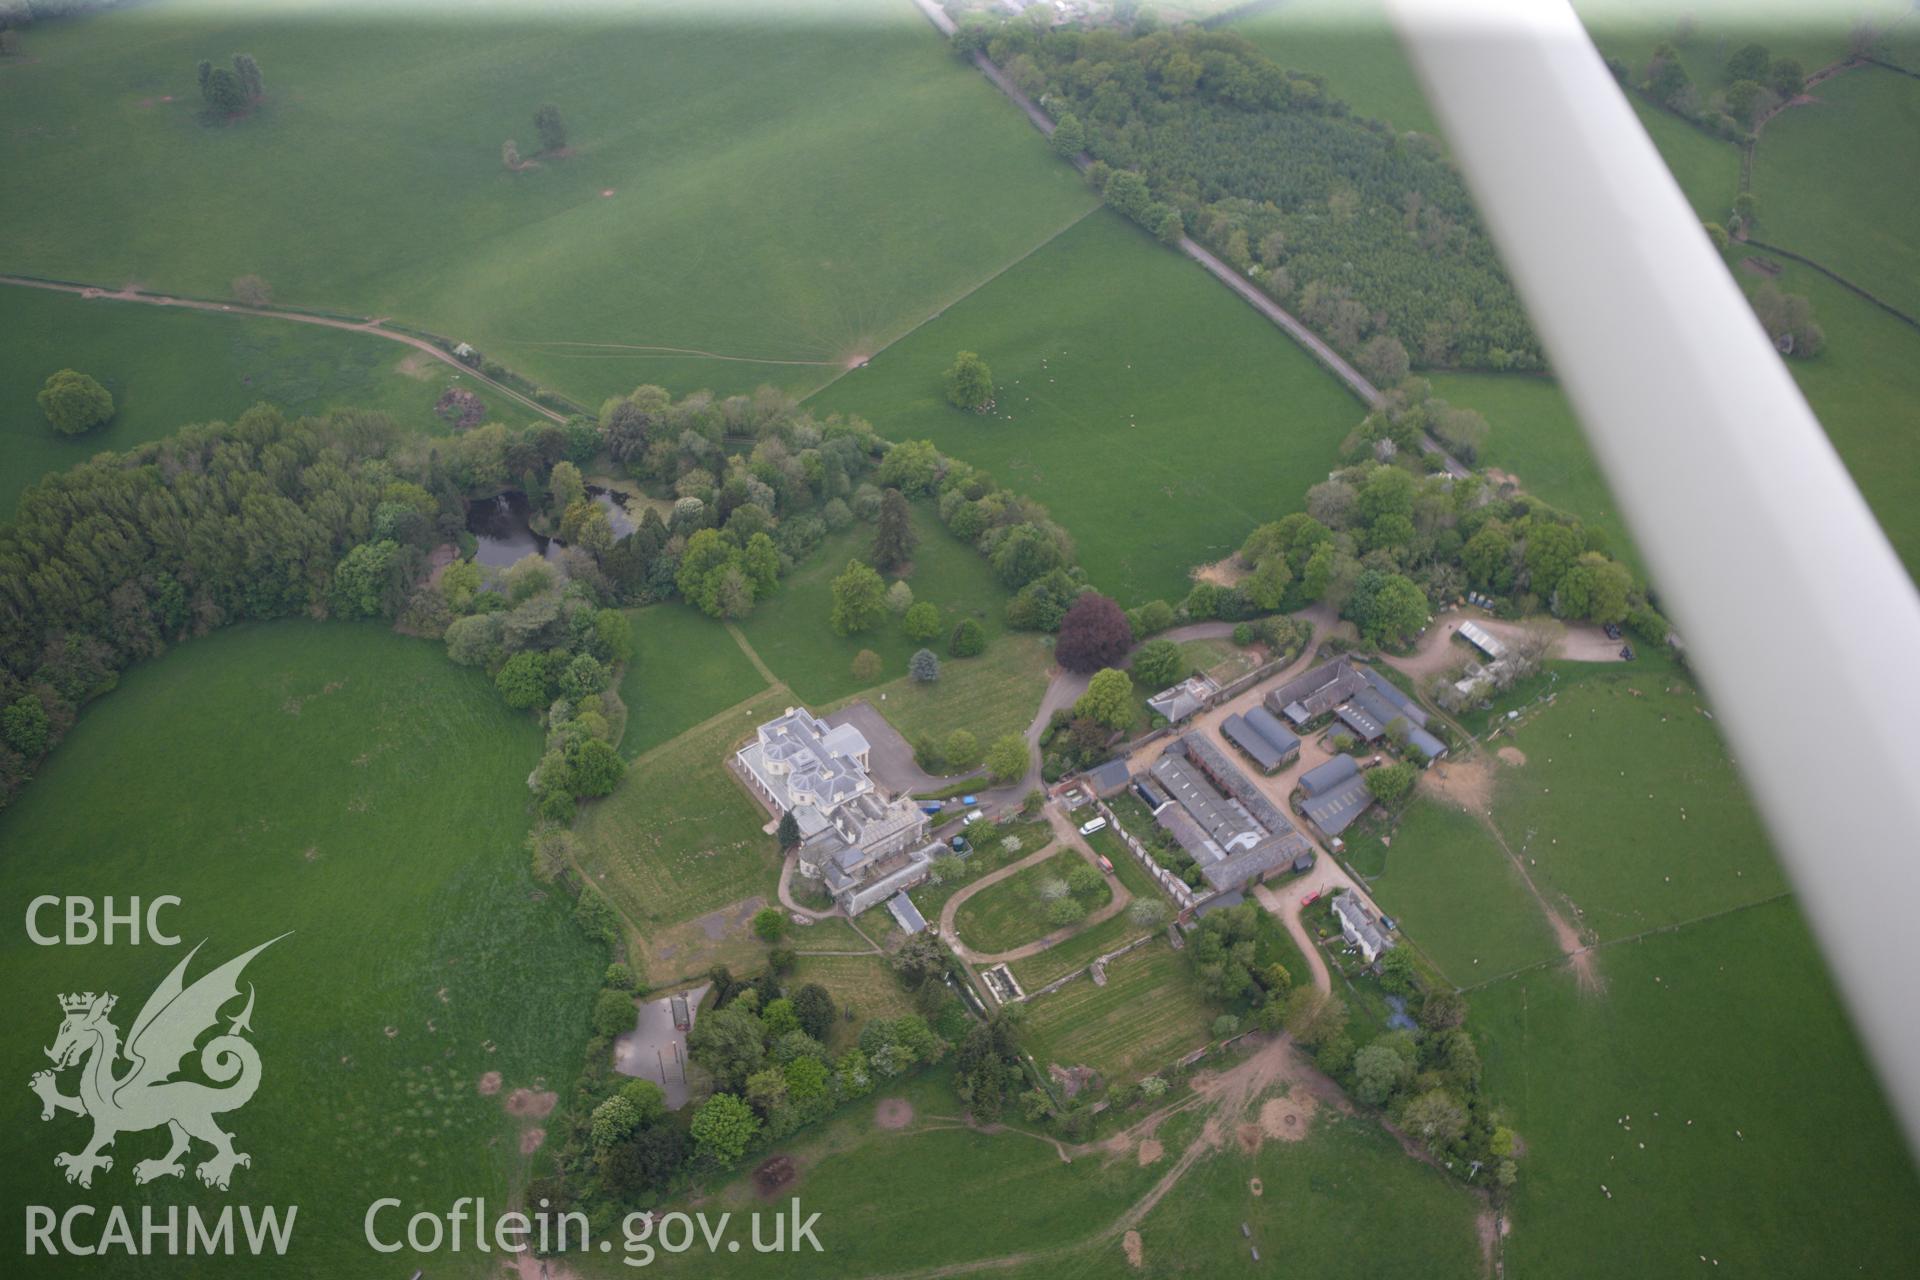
x=145 y=1095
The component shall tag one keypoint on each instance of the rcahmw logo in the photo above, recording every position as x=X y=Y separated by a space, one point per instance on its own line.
x=131 y=1087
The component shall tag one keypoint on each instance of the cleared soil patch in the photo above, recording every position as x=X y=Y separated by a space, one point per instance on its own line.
x=1287 y=1118
x=526 y=1102
x=893 y=1113
x=773 y=1174
x=489 y=1084
x=1150 y=1150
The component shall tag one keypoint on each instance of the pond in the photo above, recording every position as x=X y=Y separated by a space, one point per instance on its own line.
x=503 y=527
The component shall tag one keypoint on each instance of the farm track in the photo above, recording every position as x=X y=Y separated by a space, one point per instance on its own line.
x=373 y=327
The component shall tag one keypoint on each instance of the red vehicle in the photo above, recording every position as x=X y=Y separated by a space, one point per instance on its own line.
x=1310 y=899
x=1105 y=865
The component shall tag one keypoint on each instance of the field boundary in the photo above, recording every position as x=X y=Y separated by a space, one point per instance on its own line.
x=1655 y=930
x=1838 y=279
x=420 y=340
x=958 y=298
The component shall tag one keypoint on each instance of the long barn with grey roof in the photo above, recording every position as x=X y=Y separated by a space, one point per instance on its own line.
x=1267 y=742
x=1230 y=829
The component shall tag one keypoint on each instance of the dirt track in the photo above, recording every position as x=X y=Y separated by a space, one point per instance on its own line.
x=373 y=327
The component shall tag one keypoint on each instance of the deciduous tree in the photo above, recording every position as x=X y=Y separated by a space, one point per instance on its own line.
x=1094 y=633
x=969 y=383
x=859 y=600
x=74 y=402
x=1108 y=700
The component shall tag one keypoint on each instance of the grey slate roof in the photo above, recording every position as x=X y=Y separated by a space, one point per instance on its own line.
x=1250 y=865
x=1357 y=926
x=908 y=915
x=1315 y=692
x=1236 y=729
x=1109 y=777
x=1363 y=726
x=1385 y=688
x=1322 y=777
x=1334 y=810
x=1425 y=743
x=1268 y=726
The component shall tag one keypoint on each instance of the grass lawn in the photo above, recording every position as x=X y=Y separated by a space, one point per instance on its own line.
x=168 y=368
x=1725 y=1045
x=996 y=693
x=1837 y=181
x=1458 y=897
x=354 y=787
x=863 y=985
x=747 y=199
x=790 y=631
x=994 y=847
x=1149 y=1013
x=1012 y=913
x=1157 y=416
x=1598 y=807
x=685 y=669
x=681 y=837
x=1863 y=387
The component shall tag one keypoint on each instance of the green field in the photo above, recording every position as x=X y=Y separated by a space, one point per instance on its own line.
x=167 y=368
x=746 y=201
x=1724 y=1044
x=790 y=630
x=1351 y=44
x=1630 y=808
x=1157 y=416
x=1863 y=387
x=1837 y=182
x=357 y=789
x=1319 y=1211
x=1458 y=897
x=1012 y=913
x=1707 y=168
x=681 y=837
x=685 y=669
x=1149 y=1013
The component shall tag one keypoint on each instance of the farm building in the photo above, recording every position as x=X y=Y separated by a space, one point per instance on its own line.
x=1182 y=700
x=1108 y=779
x=1271 y=745
x=1334 y=794
x=1482 y=639
x=905 y=914
x=1364 y=702
x=1236 y=835
x=1359 y=928
x=863 y=844
x=1324 y=777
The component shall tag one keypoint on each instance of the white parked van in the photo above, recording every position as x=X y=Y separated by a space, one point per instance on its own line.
x=1098 y=824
